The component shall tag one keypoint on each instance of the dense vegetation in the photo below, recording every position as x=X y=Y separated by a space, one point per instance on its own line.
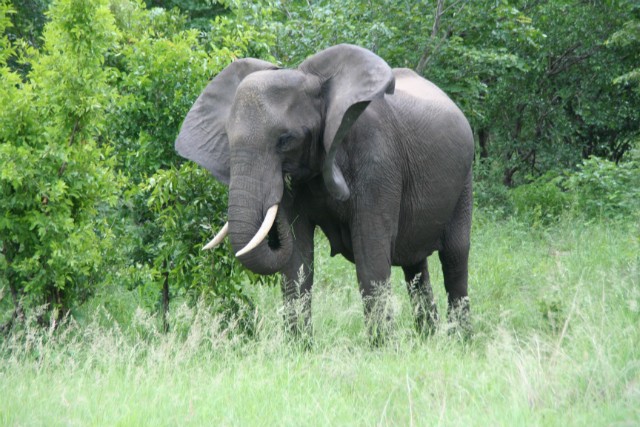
x=101 y=223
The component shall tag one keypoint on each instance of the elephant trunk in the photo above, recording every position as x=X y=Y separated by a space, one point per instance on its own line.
x=247 y=211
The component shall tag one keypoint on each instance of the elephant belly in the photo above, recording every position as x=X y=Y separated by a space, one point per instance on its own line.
x=416 y=239
x=412 y=248
x=339 y=236
x=421 y=227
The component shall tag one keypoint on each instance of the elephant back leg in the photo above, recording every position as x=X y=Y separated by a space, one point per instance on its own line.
x=454 y=256
x=421 y=295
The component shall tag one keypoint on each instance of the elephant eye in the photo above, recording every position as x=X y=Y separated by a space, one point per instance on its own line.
x=285 y=141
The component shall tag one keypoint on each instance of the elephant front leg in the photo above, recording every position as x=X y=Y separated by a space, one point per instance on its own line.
x=297 y=282
x=421 y=295
x=372 y=255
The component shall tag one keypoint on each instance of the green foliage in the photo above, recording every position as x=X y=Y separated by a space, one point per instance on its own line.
x=541 y=201
x=307 y=27
x=602 y=188
x=628 y=40
x=197 y=13
x=25 y=32
x=6 y=49
x=598 y=188
x=488 y=191
x=189 y=207
x=159 y=78
x=247 y=31
x=563 y=105
x=56 y=178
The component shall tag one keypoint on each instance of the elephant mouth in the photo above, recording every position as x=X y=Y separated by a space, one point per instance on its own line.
x=261 y=238
x=271 y=231
x=268 y=249
x=273 y=237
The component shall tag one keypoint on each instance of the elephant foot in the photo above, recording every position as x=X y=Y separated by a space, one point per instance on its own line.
x=379 y=316
x=379 y=331
x=297 y=322
x=426 y=318
x=460 y=319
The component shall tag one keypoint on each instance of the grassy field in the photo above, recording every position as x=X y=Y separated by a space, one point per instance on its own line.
x=556 y=315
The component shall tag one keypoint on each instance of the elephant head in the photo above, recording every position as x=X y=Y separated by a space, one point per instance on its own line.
x=254 y=123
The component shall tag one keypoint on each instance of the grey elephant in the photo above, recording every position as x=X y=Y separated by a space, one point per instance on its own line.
x=379 y=159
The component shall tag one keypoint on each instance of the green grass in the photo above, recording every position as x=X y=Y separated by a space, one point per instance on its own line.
x=556 y=314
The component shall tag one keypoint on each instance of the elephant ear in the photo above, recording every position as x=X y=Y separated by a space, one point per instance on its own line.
x=352 y=77
x=203 y=135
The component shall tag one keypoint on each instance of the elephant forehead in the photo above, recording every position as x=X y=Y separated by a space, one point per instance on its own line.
x=273 y=98
x=272 y=85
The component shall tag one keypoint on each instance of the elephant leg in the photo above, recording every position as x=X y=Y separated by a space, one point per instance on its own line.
x=421 y=295
x=297 y=281
x=454 y=257
x=372 y=254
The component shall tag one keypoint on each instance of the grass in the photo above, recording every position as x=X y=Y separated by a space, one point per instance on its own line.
x=556 y=315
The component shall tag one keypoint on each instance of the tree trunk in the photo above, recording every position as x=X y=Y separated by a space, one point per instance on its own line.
x=507 y=178
x=16 y=294
x=483 y=140
x=165 y=297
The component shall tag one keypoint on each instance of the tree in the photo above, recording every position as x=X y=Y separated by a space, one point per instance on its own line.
x=170 y=207
x=27 y=23
x=198 y=12
x=56 y=178
x=627 y=39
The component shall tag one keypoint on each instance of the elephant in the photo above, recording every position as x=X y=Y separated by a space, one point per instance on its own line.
x=379 y=159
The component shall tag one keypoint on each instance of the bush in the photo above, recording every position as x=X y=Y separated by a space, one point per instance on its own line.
x=541 y=201
x=92 y=194
x=488 y=191
x=188 y=207
x=598 y=188
x=56 y=178
x=601 y=188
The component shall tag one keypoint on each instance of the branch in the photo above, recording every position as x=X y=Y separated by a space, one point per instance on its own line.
x=434 y=31
x=566 y=61
x=451 y=6
x=427 y=52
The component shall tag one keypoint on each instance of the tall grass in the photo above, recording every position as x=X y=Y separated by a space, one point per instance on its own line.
x=556 y=314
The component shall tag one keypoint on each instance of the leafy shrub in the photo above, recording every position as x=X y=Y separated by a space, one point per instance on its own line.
x=189 y=206
x=56 y=178
x=598 y=188
x=90 y=195
x=541 y=201
x=601 y=188
x=488 y=191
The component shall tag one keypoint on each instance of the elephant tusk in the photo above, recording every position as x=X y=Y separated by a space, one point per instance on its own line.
x=218 y=239
x=269 y=218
